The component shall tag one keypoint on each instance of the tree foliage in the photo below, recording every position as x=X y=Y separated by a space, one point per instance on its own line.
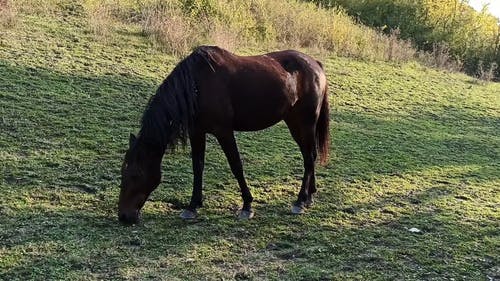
x=471 y=36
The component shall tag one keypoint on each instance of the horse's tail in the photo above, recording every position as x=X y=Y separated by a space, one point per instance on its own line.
x=323 y=129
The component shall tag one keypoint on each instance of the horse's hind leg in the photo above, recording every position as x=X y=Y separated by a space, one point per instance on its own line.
x=304 y=135
x=228 y=144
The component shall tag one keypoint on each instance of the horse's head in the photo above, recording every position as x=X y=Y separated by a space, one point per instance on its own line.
x=141 y=174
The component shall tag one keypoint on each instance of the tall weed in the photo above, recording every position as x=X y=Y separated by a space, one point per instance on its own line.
x=487 y=74
x=99 y=16
x=169 y=27
x=8 y=13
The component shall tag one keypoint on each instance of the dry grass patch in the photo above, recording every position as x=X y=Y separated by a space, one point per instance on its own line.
x=169 y=28
x=223 y=37
x=37 y=7
x=178 y=26
x=8 y=13
x=440 y=57
x=99 y=16
x=397 y=49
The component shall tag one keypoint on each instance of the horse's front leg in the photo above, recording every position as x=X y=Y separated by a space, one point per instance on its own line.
x=228 y=144
x=198 y=141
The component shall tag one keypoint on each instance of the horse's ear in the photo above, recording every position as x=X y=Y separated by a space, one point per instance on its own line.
x=131 y=140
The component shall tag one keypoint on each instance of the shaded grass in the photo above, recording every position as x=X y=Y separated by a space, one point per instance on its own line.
x=411 y=147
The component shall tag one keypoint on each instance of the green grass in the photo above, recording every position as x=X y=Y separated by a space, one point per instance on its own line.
x=411 y=147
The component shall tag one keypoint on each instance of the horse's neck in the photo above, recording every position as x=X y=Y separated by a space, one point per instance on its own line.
x=153 y=149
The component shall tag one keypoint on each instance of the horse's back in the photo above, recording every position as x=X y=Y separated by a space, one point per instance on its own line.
x=251 y=93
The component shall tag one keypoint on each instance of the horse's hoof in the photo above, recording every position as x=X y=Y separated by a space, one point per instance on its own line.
x=188 y=214
x=308 y=202
x=245 y=215
x=297 y=210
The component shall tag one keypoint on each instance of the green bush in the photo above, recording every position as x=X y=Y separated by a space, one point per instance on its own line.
x=472 y=37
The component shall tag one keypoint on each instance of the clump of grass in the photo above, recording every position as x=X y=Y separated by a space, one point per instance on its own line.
x=8 y=13
x=172 y=30
x=37 y=7
x=231 y=24
x=440 y=57
x=223 y=37
x=397 y=49
x=292 y=25
x=99 y=18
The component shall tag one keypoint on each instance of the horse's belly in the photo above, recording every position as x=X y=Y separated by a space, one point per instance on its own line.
x=258 y=114
x=255 y=125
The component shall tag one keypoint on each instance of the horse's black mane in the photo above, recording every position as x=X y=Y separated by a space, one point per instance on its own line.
x=169 y=114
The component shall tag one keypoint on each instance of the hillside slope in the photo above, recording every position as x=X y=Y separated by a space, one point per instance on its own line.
x=411 y=148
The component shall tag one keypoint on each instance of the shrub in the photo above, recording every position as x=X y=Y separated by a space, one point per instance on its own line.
x=469 y=36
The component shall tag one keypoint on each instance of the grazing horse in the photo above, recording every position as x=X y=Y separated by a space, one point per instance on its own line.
x=214 y=91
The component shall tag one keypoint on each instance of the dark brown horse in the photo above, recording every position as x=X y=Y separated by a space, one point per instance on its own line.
x=214 y=91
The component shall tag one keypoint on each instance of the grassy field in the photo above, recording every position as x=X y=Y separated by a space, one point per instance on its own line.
x=411 y=147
